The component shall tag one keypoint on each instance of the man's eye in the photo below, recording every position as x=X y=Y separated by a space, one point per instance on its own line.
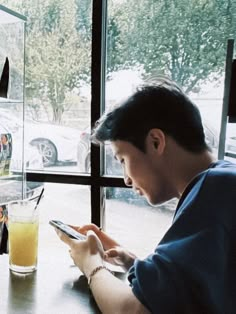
x=122 y=161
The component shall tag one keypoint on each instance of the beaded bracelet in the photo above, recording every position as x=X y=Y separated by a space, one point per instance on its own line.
x=95 y=271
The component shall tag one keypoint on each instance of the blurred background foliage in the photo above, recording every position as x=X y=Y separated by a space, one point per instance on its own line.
x=185 y=39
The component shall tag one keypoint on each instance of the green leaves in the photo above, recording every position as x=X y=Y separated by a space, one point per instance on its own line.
x=57 y=52
x=185 y=39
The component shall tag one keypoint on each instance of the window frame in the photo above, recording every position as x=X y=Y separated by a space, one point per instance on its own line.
x=97 y=180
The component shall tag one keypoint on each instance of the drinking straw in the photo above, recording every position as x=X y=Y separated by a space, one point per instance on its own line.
x=39 y=198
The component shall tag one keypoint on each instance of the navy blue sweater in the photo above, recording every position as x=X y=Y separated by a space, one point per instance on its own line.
x=193 y=268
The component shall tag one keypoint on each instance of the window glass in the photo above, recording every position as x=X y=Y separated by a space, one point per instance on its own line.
x=66 y=202
x=174 y=38
x=12 y=47
x=58 y=76
x=134 y=223
x=230 y=146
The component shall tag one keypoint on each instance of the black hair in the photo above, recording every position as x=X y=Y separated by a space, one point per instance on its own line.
x=161 y=105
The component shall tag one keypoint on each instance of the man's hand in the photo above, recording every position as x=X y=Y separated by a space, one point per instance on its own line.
x=114 y=252
x=111 y=294
x=120 y=256
x=106 y=240
x=86 y=254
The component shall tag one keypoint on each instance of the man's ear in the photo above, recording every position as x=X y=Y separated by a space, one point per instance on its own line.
x=157 y=140
x=4 y=81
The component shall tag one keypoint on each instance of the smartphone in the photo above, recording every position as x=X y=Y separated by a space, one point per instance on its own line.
x=67 y=230
x=79 y=236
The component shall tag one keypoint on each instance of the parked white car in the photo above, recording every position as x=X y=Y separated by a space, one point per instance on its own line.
x=13 y=162
x=30 y=155
x=54 y=142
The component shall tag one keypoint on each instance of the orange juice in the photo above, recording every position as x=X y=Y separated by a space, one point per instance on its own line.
x=23 y=243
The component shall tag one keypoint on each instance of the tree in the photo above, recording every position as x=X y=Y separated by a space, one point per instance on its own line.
x=57 y=55
x=184 y=39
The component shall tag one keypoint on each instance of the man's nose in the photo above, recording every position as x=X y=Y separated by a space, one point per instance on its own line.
x=127 y=180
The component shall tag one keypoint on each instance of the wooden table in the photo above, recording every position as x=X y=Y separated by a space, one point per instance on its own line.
x=57 y=287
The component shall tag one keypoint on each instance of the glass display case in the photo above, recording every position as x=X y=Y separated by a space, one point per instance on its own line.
x=12 y=177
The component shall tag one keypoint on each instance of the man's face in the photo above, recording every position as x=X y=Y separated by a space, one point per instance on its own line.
x=143 y=171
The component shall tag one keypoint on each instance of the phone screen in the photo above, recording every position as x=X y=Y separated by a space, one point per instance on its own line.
x=67 y=230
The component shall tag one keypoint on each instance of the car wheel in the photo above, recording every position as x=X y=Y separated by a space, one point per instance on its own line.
x=47 y=150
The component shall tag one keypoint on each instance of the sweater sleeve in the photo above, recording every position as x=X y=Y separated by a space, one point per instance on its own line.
x=185 y=275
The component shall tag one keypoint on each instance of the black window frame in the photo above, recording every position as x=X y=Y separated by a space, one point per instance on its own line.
x=97 y=180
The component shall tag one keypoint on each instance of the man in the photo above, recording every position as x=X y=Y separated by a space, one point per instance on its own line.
x=158 y=137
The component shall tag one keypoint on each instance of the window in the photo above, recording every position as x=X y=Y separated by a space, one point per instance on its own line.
x=106 y=49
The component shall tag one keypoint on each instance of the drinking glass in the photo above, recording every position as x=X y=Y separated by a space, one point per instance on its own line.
x=23 y=225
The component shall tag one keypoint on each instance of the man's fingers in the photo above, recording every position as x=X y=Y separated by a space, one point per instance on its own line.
x=64 y=237
x=94 y=243
x=91 y=236
x=91 y=232
x=111 y=253
x=84 y=229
